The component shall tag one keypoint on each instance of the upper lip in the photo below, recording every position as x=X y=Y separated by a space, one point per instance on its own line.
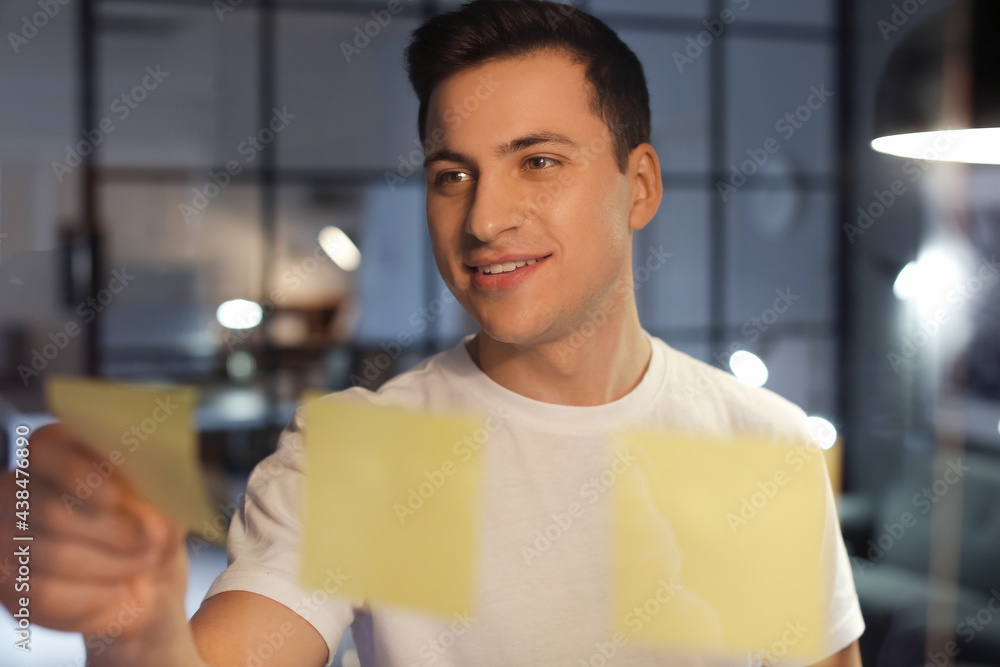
x=502 y=259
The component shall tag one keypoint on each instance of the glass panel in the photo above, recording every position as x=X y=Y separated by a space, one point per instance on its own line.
x=672 y=293
x=780 y=259
x=354 y=109
x=800 y=368
x=685 y=8
x=780 y=100
x=39 y=198
x=678 y=97
x=397 y=6
x=304 y=275
x=394 y=268
x=810 y=12
x=178 y=86
x=163 y=323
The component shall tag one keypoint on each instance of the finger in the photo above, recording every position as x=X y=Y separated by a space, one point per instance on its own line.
x=60 y=458
x=114 y=529
x=162 y=534
x=72 y=605
x=53 y=441
x=78 y=561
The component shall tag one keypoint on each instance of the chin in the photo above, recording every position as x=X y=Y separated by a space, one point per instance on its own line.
x=512 y=331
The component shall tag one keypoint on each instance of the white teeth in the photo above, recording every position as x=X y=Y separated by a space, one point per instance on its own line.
x=506 y=267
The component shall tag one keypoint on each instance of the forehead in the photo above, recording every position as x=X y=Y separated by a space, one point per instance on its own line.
x=540 y=91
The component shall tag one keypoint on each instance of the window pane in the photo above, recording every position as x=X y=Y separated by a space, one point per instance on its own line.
x=396 y=259
x=810 y=12
x=354 y=110
x=38 y=201
x=801 y=368
x=780 y=92
x=684 y=8
x=678 y=100
x=304 y=275
x=672 y=292
x=780 y=258
x=163 y=322
x=177 y=85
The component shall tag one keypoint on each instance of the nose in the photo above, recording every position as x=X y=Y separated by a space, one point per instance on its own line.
x=494 y=208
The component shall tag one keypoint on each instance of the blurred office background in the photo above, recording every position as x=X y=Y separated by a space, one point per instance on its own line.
x=124 y=146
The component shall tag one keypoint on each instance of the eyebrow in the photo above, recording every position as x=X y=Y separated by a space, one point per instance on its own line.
x=503 y=150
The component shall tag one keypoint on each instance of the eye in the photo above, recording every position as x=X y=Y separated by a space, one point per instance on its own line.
x=452 y=177
x=538 y=163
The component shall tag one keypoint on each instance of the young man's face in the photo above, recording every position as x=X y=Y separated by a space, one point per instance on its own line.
x=519 y=168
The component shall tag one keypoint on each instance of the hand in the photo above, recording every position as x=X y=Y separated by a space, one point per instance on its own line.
x=107 y=565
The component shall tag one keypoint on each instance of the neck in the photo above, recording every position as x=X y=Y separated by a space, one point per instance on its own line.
x=574 y=369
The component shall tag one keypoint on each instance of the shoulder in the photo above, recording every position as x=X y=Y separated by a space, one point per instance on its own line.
x=414 y=388
x=716 y=399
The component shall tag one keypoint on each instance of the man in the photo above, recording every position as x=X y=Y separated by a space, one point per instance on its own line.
x=532 y=201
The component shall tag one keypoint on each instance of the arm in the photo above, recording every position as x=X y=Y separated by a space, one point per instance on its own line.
x=237 y=626
x=103 y=563
x=229 y=630
x=114 y=569
x=232 y=626
x=849 y=657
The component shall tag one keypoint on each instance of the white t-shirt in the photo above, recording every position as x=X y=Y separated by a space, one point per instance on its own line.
x=545 y=608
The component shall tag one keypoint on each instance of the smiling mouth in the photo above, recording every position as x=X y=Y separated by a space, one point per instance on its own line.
x=506 y=267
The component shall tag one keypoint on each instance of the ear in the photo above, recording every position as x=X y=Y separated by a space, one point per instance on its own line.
x=646 y=185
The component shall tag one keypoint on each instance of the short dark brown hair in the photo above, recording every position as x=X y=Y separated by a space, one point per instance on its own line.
x=486 y=30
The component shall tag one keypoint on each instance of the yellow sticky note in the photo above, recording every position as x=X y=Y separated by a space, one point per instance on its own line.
x=717 y=545
x=834 y=457
x=147 y=432
x=311 y=394
x=391 y=503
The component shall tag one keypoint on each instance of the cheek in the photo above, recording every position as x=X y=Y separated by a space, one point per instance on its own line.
x=591 y=221
x=611 y=223
x=443 y=235
x=442 y=262
x=616 y=216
